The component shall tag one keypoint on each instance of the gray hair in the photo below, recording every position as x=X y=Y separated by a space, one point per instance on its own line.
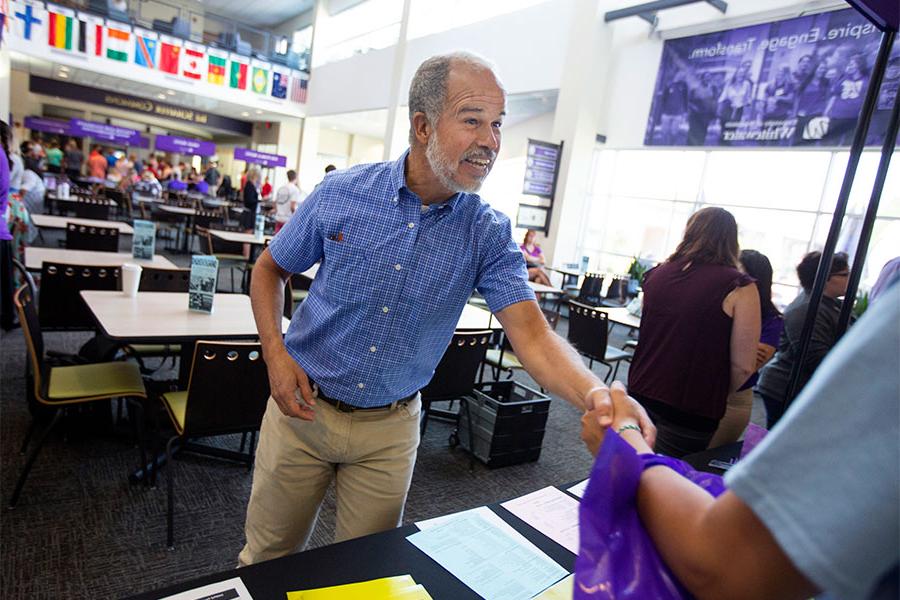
x=428 y=88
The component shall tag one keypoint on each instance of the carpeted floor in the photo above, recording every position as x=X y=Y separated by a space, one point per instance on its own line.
x=81 y=530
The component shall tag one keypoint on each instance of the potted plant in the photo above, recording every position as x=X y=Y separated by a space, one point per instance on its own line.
x=635 y=274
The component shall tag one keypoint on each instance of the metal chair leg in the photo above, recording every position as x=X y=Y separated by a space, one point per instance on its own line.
x=252 y=450
x=136 y=414
x=170 y=493
x=31 y=458
x=426 y=406
x=28 y=434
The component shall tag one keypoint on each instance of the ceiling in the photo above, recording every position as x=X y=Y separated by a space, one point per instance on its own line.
x=258 y=13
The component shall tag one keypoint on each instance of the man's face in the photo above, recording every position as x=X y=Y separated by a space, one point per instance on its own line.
x=462 y=148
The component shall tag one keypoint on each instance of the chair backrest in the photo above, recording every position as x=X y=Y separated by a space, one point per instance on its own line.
x=205 y=217
x=61 y=306
x=228 y=388
x=25 y=277
x=590 y=289
x=455 y=374
x=24 y=302
x=91 y=237
x=164 y=280
x=91 y=208
x=617 y=289
x=219 y=246
x=588 y=330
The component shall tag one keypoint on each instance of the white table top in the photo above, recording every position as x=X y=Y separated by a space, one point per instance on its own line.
x=621 y=316
x=165 y=315
x=566 y=271
x=178 y=210
x=57 y=222
x=540 y=288
x=146 y=199
x=473 y=317
x=35 y=257
x=237 y=236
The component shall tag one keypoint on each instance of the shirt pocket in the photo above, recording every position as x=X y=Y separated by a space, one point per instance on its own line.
x=349 y=277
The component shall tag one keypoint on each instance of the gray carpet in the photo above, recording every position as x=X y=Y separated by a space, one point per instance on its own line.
x=81 y=531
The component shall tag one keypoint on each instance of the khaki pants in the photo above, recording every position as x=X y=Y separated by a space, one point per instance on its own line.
x=370 y=454
x=737 y=416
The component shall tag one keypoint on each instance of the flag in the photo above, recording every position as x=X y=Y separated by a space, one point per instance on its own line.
x=260 y=80
x=117 y=43
x=145 y=51
x=216 y=72
x=279 y=84
x=169 y=53
x=192 y=63
x=61 y=32
x=238 y=78
x=95 y=37
x=29 y=18
x=298 y=89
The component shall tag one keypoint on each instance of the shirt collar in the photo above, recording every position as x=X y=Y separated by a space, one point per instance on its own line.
x=398 y=182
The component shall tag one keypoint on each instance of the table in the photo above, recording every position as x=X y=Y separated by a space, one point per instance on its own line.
x=178 y=210
x=540 y=288
x=35 y=257
x=569 y=275
x=57 y=222
x=240 y=236
x=475 y=318
x=621 y=316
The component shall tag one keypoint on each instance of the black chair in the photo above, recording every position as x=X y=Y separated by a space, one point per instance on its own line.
x=300 y=285
x=505 y=359
x=205 y=218
x=164 y=280
x=455 y=375
x=91 y=208
x=64 y=388
x=590 y=289
x=230 y=254
x=91 y=237
x=25 y=277
x=227 y=393
x=616 y=293
x=588 y=333
x=60 y=305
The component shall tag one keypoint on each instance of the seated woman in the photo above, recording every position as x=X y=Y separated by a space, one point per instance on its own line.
x=534 y=258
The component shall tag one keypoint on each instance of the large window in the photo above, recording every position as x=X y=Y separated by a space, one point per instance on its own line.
x=369 y=25
x=428 y=17
x=783 y=202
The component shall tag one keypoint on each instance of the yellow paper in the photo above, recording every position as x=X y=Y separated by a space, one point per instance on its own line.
x=564 y=589
x=376 y=589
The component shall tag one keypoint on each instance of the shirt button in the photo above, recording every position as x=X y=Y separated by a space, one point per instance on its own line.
x=373 y=349
x=397 y=267
x=394 y=199
x=384 y=309
x=360 y=385
x=411 y=225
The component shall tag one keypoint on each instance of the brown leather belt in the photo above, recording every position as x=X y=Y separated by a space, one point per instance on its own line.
x=349 y=408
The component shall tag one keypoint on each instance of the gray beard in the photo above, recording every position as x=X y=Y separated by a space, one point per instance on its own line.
x=443 y=166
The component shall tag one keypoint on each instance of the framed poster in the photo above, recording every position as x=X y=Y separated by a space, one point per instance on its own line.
x=532 y=217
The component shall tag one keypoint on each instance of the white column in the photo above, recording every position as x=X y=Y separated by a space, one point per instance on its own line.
x=308 y=173
x=289 y=137
x=5 y=85
x=580 y=102
x=390 y=146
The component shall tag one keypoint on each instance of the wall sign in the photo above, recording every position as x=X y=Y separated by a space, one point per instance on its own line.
x=173 y=143
x=103 y=131
x=47 y=125
x=260 y=158
x=541 y=172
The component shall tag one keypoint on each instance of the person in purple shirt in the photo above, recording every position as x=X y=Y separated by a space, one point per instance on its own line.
x=846 y=101
x=740 y=402
x=6 y=283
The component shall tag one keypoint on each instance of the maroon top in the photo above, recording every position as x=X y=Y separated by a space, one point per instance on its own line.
x=683 y=359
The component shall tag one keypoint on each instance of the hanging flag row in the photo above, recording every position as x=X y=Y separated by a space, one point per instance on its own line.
x=64 y=29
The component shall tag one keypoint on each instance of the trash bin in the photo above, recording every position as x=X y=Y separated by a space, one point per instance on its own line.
x=502 y=423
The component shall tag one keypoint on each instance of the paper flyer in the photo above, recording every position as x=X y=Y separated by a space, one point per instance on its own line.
x=202 y=290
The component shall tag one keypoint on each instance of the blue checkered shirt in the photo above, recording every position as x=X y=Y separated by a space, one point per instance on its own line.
x=393 y=280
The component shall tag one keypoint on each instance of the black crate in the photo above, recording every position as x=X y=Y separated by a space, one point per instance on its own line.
x=507 y=423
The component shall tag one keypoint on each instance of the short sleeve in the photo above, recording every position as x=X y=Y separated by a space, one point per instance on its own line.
x=771 y=330
x=826 y=481
x=298 y=245
x=502 y=275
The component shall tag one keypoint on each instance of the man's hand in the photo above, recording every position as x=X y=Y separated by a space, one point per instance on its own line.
x=290 y=386
x=625 y=411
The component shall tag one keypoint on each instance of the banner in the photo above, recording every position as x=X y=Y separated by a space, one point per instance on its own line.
x=798 y=82
x=47 y=125
x=173 y=143
x=102 y=131
x=260 y=158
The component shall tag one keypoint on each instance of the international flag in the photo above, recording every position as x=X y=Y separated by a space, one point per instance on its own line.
x=192 y=62
x=117 y=43
x=279 y=84
x=260 y=81
x=61 y=31
x=145 y=51
x=299 y=85
x=95 y=45
x=169 y=55
x=216 y=71
x=28 y=18
x=238 y=79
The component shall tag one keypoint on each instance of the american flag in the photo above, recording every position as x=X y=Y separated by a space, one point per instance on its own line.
x=299 y=87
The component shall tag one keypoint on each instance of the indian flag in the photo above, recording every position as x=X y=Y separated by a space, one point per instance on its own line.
x=117 y=44
x=60 y=31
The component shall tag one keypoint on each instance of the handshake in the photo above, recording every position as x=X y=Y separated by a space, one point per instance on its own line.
x=615 y=409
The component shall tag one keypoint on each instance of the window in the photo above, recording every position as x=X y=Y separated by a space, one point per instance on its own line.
x=370 y=25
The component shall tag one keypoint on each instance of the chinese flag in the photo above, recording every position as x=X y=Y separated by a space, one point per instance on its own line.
x=168 y=58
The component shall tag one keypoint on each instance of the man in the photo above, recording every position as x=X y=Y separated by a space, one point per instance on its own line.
x=287 y=198
x=402 y=245
x=97 y=164
x=73 y=159
x=212 y=178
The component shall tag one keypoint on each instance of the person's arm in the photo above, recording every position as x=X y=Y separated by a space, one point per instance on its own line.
x=285 y=375
x=764 y=353
x=555 y=365
x=742 y=304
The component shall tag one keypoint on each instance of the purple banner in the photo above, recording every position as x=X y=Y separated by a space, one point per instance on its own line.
x=260 y=158
x=798 y=82
x=47 y=125
x=173 y=143
x=140 y=142
x=102 y=131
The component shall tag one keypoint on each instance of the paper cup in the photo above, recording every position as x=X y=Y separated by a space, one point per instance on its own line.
x=131 y=278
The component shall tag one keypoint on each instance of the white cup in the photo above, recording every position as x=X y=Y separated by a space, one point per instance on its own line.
x=131 y=278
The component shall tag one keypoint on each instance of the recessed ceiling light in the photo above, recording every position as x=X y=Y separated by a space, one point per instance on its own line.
x=245 y=114
x=63 y=74
x=259 y=112
x=170 y=92
x=64 y=69
x=161 y=96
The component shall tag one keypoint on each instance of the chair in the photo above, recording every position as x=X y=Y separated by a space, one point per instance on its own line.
x=90 y=237
x=227 y=393
x=25 y=276
x=455 y=375
x=300 y=285
x=289 y=303
x=205 y=219
x=230 y=254
x=588 y=333
x=589 y=293
x=60 y=304
x=60 y=388
x=505 y=359
x=91 y=208
x=616 y=293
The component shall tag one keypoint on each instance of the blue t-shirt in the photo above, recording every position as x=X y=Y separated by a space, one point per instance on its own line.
x=826 y=480
x=394 y=278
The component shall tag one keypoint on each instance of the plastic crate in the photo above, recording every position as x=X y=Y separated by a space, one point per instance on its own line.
x=502 y=423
